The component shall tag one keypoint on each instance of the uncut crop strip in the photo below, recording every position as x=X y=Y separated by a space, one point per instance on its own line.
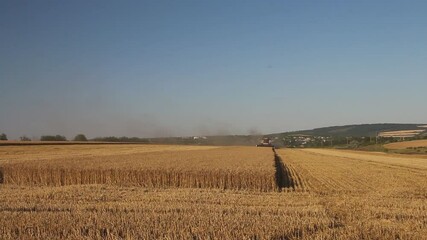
x=223 y=168
x=145 y=178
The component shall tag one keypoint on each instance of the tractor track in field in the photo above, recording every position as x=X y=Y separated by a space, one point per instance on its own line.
x=284 y=178
x=1 y=176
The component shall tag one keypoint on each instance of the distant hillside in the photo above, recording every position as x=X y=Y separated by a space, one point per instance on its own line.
x=336 y=132
x=362 y=130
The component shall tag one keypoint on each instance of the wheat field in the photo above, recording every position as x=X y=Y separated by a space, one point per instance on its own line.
x=407 y=144
x=224 y=168
x=235 y=193
x=401 y=133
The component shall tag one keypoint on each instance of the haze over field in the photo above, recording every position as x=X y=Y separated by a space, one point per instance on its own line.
x=158 y=68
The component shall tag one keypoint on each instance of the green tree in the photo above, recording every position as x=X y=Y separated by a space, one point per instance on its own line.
x=53 y=138
x=3 y=136
x=80 y=138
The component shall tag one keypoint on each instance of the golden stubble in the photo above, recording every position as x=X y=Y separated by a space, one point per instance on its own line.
x=334 y=195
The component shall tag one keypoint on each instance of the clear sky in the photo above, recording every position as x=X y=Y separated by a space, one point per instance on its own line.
x=172 y=68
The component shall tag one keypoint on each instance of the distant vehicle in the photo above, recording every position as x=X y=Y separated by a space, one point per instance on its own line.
x=266 y=142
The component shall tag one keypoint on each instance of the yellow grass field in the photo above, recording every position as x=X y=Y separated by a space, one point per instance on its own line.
x=401 y=133
x=407 y=144
x=234 y=193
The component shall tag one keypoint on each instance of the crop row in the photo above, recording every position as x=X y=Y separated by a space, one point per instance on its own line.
x=161 y=178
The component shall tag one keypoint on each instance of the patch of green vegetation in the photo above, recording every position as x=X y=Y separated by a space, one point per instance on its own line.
x=412 y=150
x=374 y=148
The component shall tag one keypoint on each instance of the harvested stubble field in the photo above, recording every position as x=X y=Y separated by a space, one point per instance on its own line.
x=329 y=194
x=370 y=195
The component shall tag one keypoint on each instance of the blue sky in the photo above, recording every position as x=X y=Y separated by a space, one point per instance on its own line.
x=172 y=68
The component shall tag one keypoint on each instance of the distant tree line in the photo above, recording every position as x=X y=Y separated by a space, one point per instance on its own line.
x=288 y=141
x=80 y=138
x=120 y=139
x=24 y=138
x=3 y=136
x=53 y=138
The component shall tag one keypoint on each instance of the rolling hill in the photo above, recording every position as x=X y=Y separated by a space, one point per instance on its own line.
x=361 y=130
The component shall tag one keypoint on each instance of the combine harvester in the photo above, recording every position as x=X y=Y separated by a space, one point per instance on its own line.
x=266 y=142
